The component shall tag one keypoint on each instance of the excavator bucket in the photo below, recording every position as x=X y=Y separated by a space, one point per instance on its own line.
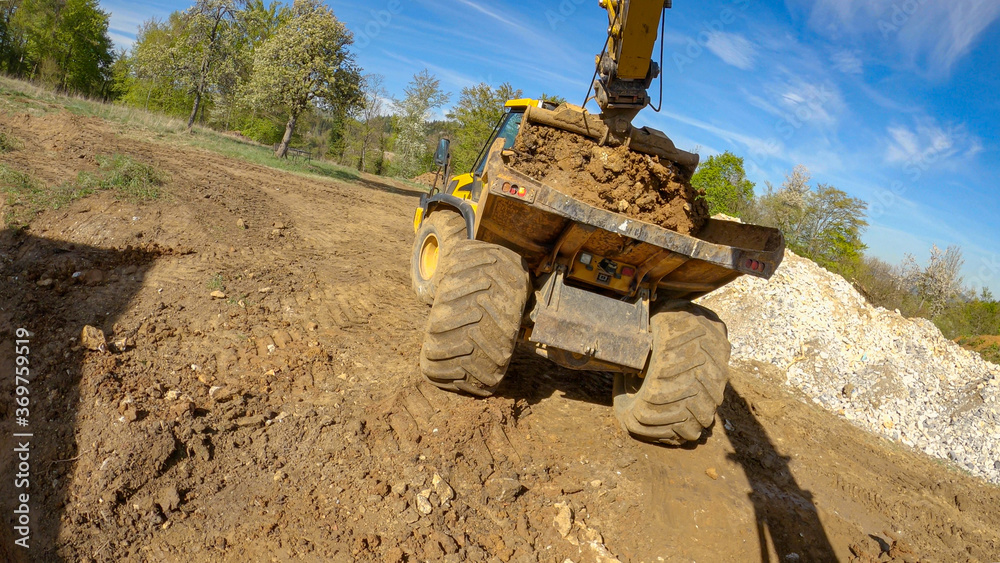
x=643 y=140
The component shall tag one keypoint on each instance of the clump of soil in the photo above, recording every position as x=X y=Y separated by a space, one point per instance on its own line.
x=427 y=179
x=614 y=178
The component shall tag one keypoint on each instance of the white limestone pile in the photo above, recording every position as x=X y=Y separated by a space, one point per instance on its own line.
x=897 y=377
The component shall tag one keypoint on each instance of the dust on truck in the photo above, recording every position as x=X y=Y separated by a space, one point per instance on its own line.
x=504 y=258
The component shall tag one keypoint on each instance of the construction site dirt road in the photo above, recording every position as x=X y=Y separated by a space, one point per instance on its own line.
x=259 y=393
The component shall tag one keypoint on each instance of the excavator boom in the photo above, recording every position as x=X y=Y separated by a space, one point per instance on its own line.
x=626 y=68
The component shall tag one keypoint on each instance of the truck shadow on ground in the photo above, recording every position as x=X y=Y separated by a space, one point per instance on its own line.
x=394 y=187
x=786 y=516
x=786 y=519
x=532 y=378
x=387 y=187
x=40 y=294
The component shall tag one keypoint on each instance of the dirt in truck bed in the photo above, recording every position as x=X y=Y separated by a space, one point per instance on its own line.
x=259 y=399
x=613 y=178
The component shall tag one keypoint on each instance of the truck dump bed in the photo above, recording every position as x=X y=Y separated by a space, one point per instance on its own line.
x=549 y=228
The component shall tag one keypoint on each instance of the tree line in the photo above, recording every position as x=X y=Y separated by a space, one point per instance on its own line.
x=826 y=225
x=63 y=44
x=278 y=73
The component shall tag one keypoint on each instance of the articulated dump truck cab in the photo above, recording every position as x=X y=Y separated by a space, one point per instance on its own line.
x=505 y=259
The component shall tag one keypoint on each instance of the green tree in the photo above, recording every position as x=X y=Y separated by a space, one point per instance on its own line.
x=982 y=316
x=186 y=56
x=121 y=75
x=159 y=67
x=345 y=99
x=259 y=22
x=10 y=41
x=86 y=49
x=254 y=24
x=971 y=317
x=557 y=100
x=206 y=44
x=880 y=283
x=477 y=112
x=367 y=128
x=832 y=225
x=724 y=180
x=423 y=94
x=63 y=43
x=305 y=62
x=33 y=26
x=823 y=224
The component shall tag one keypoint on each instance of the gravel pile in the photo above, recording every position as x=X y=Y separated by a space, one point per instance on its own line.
x=897 y=377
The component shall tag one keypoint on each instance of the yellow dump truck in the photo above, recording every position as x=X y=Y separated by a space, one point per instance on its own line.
x=505 y=259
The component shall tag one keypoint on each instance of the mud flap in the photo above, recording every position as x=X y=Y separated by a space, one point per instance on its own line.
x=582 y=322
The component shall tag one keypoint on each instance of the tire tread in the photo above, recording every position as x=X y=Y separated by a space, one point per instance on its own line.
x=490 y=284
x=686 y=378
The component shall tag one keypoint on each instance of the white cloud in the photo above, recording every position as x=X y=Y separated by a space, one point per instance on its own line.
x=486 y=11
x=447 y=76
x=536 y=43
x=930 y=34
x=928 y=143
x=847 y=62
x=888 y=102
x=121 y=40
x=733 y=49
x=756 y=146
x=759 y=102
x=801 y=101
x=905 y=145
x=124 y=21
x=975 y=147
x=943 y=33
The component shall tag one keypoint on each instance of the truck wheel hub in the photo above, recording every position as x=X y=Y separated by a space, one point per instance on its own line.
x=429 y=252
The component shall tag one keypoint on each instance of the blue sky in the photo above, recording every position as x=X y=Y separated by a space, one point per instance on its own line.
x=894 y=101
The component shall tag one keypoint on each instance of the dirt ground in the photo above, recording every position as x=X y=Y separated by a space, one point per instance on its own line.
x=287 y=420
x=614 y=178
x=428 y=179
x=982 y=342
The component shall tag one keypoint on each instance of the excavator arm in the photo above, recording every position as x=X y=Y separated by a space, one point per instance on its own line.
x=626 y=69
x=624 y=72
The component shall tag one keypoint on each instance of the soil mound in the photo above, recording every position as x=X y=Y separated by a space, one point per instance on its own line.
x=56 y=143
x=427 y=179
x=614 y=178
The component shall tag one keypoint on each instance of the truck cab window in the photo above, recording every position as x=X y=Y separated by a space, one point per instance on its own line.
x=508 y=132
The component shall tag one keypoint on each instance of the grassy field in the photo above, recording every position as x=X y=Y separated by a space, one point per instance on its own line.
x=26 y=196
x=17 y=96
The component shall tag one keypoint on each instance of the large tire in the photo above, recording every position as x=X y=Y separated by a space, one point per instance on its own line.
x=685 y=380
x=431 y=247
x=473 y=326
